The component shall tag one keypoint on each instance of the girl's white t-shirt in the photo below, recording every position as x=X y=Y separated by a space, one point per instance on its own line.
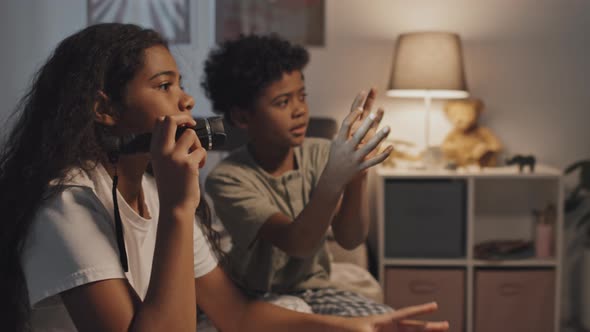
x=72 y=242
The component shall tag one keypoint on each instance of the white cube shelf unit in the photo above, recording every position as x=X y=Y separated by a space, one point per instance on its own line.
x=426 y=225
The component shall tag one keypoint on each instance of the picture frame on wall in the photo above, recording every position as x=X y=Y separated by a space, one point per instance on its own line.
x=300 y=21
x=171 y=18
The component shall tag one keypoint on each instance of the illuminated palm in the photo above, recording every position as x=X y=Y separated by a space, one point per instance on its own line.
x=365 y=102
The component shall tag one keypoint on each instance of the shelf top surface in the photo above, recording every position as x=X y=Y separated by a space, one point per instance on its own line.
x=532 y=262
x=505 y=171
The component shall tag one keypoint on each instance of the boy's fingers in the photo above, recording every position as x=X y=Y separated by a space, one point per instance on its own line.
x=358 y=102
x=412 y=322
x=374 y=141
x=347 y=124
x=372 y=162
x=368 y=105
x=361 y=132
x=420 y=325
x=437 y=326
x=416 y=309
x=379 y=117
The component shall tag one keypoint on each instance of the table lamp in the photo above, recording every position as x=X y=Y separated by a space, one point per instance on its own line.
x=428 y=65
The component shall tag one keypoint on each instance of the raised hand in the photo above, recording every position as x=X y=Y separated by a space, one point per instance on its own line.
x=364 y=102
x=176 y=163
x=398 y=321
x=348 y=155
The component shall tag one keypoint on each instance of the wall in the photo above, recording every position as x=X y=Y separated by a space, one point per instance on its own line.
x=527 y=60
x=28 y=32
x=31 y=29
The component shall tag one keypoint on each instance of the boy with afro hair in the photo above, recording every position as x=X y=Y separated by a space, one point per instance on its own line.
x=278 y=194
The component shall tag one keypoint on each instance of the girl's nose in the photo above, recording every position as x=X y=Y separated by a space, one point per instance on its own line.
x=187 y=102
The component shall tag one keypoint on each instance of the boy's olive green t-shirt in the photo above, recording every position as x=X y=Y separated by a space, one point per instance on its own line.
x=245 y=196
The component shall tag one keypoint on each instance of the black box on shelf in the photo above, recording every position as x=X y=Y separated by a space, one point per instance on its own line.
x=425 y=218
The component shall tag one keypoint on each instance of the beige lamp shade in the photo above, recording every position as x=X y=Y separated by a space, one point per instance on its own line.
x=428 y=64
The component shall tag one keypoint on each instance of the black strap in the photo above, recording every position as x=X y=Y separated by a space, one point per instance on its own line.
x=119 y=228
x=118 y=224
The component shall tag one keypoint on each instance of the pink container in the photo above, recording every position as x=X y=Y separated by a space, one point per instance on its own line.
x=544 y=240
x=404 y=287
x=514 y=301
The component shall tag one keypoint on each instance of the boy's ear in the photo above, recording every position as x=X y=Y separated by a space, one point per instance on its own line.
x=103 y=110
x=239 y=117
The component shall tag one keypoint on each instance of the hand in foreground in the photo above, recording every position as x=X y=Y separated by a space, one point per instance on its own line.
x=398 y=321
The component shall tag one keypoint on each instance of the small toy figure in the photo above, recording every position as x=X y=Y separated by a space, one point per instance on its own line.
x=469 y=143
x=522 y=162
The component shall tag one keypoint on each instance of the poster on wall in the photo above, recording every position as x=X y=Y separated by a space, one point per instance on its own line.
x=300 y=21
x=171 y=18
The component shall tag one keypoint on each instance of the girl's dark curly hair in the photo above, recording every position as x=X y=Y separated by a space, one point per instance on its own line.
x=239 y=70
x=54 y=132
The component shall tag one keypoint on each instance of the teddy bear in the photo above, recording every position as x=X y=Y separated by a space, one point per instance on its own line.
x=468 y=143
